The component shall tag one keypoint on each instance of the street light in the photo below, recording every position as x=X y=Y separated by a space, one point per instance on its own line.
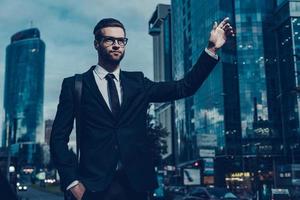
x=11 y=169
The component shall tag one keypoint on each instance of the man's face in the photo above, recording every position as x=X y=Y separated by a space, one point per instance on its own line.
x=110 y=45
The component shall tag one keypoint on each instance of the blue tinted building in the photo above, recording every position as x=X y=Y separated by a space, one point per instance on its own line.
x=209 y=121
x=24 y=92
x=287 y=34
x=247 y=111
x=160 y=30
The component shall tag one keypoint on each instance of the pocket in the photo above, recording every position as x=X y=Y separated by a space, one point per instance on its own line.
x=69 y=195
x=84 y=196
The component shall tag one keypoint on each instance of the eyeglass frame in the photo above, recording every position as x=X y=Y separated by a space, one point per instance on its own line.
x=100 y=38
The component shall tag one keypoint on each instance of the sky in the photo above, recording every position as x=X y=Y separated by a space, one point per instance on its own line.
x=66 y=28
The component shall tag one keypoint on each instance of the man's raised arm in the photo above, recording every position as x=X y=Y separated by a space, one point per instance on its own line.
x=173 y=90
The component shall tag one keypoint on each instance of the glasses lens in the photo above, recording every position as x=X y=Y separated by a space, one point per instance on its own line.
x=111 y=40
x=125 y=41
x=122 y=41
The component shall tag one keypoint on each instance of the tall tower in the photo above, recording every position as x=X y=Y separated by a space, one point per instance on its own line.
x=24 y=92
x=287 y=33
x=160 y=30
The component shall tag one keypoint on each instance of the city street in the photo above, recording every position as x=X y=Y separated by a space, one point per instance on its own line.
x=182 y=99
x=33 y=194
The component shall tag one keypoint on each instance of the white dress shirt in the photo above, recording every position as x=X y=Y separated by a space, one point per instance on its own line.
x=99 y=74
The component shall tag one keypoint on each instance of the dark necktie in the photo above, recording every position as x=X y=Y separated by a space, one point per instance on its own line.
x=114 y=103
x=113 y=95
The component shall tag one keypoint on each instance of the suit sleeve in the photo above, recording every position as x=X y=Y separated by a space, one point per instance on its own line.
x=173 y=90
x=64 y=159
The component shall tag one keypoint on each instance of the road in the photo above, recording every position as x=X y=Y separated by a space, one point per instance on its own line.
x=33 y=194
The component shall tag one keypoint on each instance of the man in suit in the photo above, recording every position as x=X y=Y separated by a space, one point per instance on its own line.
x=115 y=158
x=6 y=191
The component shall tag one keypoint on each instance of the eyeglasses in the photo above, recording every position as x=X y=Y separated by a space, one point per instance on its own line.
x=108 y=40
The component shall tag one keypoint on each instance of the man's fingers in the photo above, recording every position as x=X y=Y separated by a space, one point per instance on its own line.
x=227 y=27
x=215 y=25
x=78 y=190
x=229 y=31
x=221 y=25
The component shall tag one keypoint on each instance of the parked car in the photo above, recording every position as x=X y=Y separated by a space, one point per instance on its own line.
x=280 y=194
x=296 y=194
x=174 y=192
x=202 y=193
x=22 y=186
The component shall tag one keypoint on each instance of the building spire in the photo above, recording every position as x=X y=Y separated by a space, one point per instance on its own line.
x=31 y=24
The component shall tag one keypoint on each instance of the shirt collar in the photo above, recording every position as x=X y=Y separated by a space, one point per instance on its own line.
x=101 y=72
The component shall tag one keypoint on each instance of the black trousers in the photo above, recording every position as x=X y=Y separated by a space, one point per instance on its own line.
x=119 y=189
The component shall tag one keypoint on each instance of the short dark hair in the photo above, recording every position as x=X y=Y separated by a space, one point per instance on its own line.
x=108 y=22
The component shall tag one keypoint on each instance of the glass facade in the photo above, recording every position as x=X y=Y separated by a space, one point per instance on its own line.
x=24 y=92
x=213 y=112
x=178 y=72
x=250 y=100
x=250 y=103
x=216 y=103
x=279 y=2
x=287 y=32
x=251 y=63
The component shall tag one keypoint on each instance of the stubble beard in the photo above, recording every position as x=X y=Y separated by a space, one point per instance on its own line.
x=107 y=58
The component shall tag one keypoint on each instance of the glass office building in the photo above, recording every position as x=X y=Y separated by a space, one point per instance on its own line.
x=207 y=123
x=213 y=112
x=160 y=30
x=249 y=17
x=249 y=104
x=177 y=73
x=24 y=92
x=287 y=33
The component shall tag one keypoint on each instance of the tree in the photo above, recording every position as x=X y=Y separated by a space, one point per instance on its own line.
x=38 y=156
x=157 y=138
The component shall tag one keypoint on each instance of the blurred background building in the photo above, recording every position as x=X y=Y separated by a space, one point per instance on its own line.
x=242 y=127
x=24 y=94
x=207 y=123
x=160 y=30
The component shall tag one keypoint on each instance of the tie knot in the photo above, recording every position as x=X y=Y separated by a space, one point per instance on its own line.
x=110 y=76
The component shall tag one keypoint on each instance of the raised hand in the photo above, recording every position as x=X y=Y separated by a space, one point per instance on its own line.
x=219 y=34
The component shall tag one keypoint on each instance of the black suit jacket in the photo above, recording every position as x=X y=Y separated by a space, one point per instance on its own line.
x=6 y=191
x=103 y=136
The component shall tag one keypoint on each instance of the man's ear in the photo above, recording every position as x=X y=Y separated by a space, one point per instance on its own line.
x=96 y=44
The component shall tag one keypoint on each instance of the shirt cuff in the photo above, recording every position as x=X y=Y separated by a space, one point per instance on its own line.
x=74 y=183
x=211 y=54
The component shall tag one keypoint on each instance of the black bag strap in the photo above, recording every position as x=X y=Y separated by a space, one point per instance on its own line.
x=78 y=94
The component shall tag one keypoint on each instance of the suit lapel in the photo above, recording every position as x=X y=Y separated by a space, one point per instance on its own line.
x=125 y=91
x=92 y=85
x=128 y=90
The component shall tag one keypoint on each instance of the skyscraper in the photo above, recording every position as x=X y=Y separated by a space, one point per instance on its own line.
x=24 y=92
x=250 y=99
x=287 y=34
x=209 y=121
x=48 y=129
x=160 y=30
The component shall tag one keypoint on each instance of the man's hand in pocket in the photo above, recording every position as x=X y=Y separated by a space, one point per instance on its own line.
x=78 y=191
